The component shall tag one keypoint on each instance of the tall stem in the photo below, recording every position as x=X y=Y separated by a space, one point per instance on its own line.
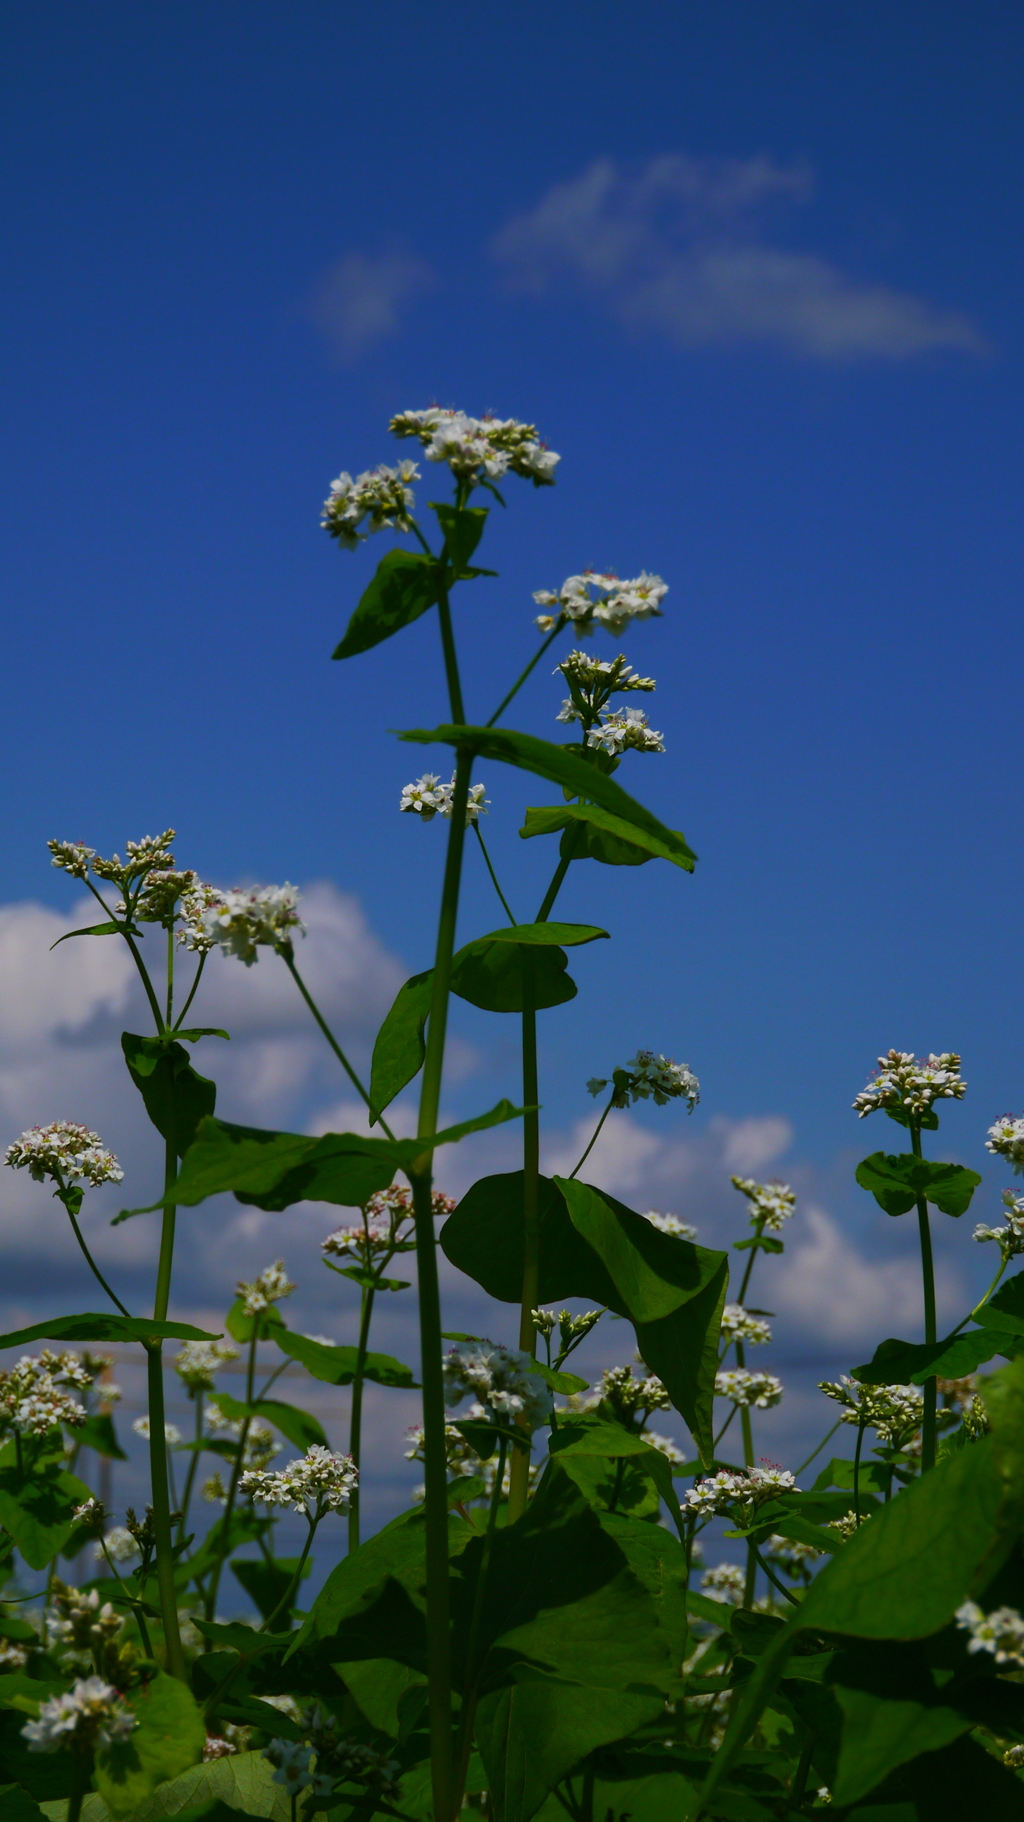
x=519 y=1482
x=193 y=990
x=928 y=1427
x=472 y=1675
x=595 y=1135
x=90 y=1261
x=451 y=663
x=521 y=679
x=494 y=876
x=157 y=1441
x=192 y=1467
x=236 y=1475
x=285 y=951
x=356 y=1421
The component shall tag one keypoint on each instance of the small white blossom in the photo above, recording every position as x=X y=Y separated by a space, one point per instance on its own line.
x=427 y=797
x=894 y=1412
x=72 y=856
x=197 y=1362
x=771 y=1204
x=272 y=1284
x=216 y=1747
x=627 y=1393
x=196 y=901
x=670 y=1224
x=242 y=921
x=500 y=1383
x=32 y=1395
x=91 y=1713
x=912 y=1083
x=119 y=1545
x=172 y=1434
x=726 y=1492
x=1006 y=1140
x=1000 y=1632
x=319 y=1481
x=381 y=495
x=590 y=600
x=479 y=448
x=725 y=1582
x=621 y=730
x=739 y=1325
x=214 y=1491
x=745 y=1388
x=665 y=1446
x=66 y=1153
x=1010 y=1239
x=650 y=1076
x=1014 y=1757
x=142 y=857
x=12 y=1656
x=791 y=1554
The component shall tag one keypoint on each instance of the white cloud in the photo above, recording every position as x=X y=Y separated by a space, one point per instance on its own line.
x=356 y=302
x=832 y=1292
x=684 y=249
x=633 y=1160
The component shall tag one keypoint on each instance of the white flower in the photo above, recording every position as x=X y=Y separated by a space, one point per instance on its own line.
x=846 y=1526
x=745 y=1388
x=912 y=1083
x=382 y=495
x=771 y=1204
x=242 y=921
x=720 y=1493
x=478 y=448
x=725 y=1582
x=670 y=1224
x=172 y=1434
x=1006 y=1140
x=665 y=1446
x=194 y=933
x=142 y=856
x=272 y=1284
x=739 y=1325
x=12 y=1656
x=499 y=1381
x=32 y=1398
x=214 y=1491
x=629 y=1395
x=198 y=1361
x=1000 y=1632
x=66 y=1153
x=649 y=1075
x=894 y=1412
x=91 y=1713
x=119 y=1545
x=622 y=729
x=1010 y=1238
x=319 y=1481
x=72 y=856
x=1014 y=1756
x=292 y=1759
x=591 y=599
x=427 y=797
x=791 y=1554
x=593 y=680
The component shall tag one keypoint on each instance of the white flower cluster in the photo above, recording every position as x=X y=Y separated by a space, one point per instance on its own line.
x=629 y=1394
x=475 y=448
x=381 y=495
x=319 y=1481
x=1010 y=1239
x=261 y=1444
x=593 y=680
x=894 y=1412
x=670 y=1224
x=622 y=730
x=650 y=1076
x=32 y=1395
x=427 y=797
x=1006 y=1140
x=196 y=901
x=739 y=1324
x=725 y=1491
x=72 y=856
x=912 y=1083
x=172 y=1434
x=1000 y=1632
x=119 y=1544
x=745 y=1388
x=771 y=1204
x=590 y=600
x=725 y=1582
x=66 y=1153
x=665 y=1446
x=152 y=851
x=77 y=1621
x=791 y=1554
x=272 y=1284
x=241 y=921
x=91 y=1713
x=198 y=1361
x=500 y=1383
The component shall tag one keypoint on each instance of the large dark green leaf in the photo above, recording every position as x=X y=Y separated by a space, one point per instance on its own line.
x=962 y=1783
x=597 y=1443
x=176 y=1096
x=381 y=1687
x=599 y=835
x=562 y=767
x=266 y=1580
x=659 y=1561
x=337 y=1365
x=911 y=1363
x=36 y=1508
x=17 y=1806
x=533 y=1733
x=393 y=1558
x=463 y=528
x=404 y=585
x=489 y=972
x=897 y=1181
x=891 y=1712
x=168 y=1738
x=1005 y=1310
x=399 y=1049
x=298 y=1426
x=93 y=1327
x=98 y=1432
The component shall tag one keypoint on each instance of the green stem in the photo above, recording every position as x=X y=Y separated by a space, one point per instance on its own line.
x=476 y=1621
x=594 y=1136
x=166 y=1591
x=90 y=1261
x=856 y=1469
x=519 y=1483
x=192 y=1468
x=236 y=1475
x=773 y=1578
x=800 y=1776
x=928 y=1427
x=818 y=1450
x=745 y=1423
x=169 y=1012
x=451 y=663
x=285 y=951
x=494 y=876
x=356 y=1420
x=154 y=1003
x=193 y=990
x=534 y=661
x=136 y=1606
x=420 y=1177
x=292 y=1589
x=750 y=1583
x=80 y=1781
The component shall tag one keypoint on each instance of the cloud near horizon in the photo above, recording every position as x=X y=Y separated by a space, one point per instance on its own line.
x=687 y=248
x=357 y=301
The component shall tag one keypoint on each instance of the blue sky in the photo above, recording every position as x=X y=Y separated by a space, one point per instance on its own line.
x=756 y=273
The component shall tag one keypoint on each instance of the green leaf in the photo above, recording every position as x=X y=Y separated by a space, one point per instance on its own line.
x=264 y=1323
x=337 y=1365
x=266 y=1580
x=562 y=767
x=93 y=1327
x=298 y=1426
x=463 y=527
x=113 y=928
x=379 y=1686
x=891 y=1713
x=600 y=835
x=393 y=1559
x=404 y=586
x=399 y=1049
x=234 y=1635
x=911 y=1363
x=192 y=1033
x=17 y=1806
x=244 y=1783
x=1004 y=1311
x=532 y=1734
x=176 y=1096
x=489 y=972
x=170 y=1736
x=566 y=1383
x=98 y=1432
x=586 y=1438
x=960 y=1782
x=897 y=1181
x=659 y=1561
x=839 y=1473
